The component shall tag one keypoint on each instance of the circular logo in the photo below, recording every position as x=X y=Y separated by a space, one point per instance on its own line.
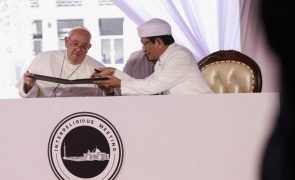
x=85 y=145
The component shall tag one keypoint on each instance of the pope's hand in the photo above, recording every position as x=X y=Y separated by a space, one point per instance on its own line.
x=29 y=81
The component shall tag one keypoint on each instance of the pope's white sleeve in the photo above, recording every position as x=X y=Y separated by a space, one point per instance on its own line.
x=34 y=92
x=31 y=94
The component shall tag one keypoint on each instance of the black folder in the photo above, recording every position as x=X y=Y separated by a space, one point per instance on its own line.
x=67 y=81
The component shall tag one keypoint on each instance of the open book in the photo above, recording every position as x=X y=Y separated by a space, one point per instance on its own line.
x=67 y=81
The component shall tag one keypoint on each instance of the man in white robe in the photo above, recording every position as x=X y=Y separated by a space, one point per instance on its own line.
x=176 y=70
x=72 y=63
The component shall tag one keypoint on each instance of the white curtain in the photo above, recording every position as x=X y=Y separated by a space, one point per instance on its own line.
x=202 y=26
x=228 y=24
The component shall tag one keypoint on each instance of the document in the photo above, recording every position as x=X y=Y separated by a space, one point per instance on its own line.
x=67 y=81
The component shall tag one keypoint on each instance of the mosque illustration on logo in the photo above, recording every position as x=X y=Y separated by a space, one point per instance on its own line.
x=94 y=155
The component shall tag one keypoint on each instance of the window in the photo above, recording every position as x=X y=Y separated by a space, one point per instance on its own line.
x=111 y=26
x=64 y=27
x=106 y=51
x=111 y=40
x=118 y=47
x=37 y=36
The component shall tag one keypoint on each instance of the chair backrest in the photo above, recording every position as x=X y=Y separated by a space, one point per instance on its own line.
x=230 y=71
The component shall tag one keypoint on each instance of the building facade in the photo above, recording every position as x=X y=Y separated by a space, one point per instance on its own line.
x=112 y=32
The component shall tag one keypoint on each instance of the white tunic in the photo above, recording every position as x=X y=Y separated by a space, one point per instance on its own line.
x=55 y=64
x=176 y=72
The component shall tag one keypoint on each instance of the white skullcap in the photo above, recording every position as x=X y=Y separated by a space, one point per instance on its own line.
x=81 y=28
x=154 y=27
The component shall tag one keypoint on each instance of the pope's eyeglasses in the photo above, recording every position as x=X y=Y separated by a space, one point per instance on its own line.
x=75 y=45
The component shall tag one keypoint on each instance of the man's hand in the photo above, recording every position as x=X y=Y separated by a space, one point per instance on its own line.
x=29 y=81
x=110 y=83
x=103 y=71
